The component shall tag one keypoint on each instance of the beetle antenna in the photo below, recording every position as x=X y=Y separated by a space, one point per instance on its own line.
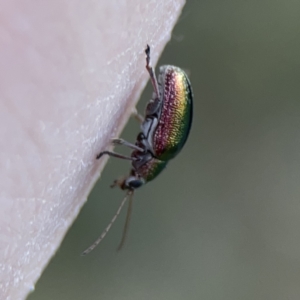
x=103 y=234
x=126 y=226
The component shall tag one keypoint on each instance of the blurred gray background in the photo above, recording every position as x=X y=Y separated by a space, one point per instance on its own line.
x=222 y=222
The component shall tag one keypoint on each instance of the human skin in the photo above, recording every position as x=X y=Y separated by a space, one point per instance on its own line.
x=70 y=75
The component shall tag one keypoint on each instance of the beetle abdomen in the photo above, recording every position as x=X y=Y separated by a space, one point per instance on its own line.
x=175 y=119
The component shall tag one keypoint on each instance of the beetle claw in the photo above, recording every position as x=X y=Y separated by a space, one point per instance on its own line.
x=113 y=184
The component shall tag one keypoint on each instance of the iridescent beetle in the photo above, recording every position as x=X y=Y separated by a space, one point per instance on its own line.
x=164 y=131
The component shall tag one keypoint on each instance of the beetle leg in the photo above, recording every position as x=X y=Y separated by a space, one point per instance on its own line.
x=117 y=155
x=137 y=116
x=127 y=144
x=118 y=182
x=151 y=71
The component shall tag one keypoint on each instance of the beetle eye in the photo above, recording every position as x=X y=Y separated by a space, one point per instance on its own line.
x=134 y=183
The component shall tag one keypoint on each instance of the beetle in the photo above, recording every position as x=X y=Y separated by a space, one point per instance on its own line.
x=164 y=131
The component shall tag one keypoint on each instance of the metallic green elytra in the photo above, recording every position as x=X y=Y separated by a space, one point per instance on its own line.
x=164 y=131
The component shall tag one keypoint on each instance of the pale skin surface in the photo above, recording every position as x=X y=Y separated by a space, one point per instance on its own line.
x=70 y=74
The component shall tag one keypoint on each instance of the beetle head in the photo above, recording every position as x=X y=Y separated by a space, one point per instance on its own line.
x=129 y=183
